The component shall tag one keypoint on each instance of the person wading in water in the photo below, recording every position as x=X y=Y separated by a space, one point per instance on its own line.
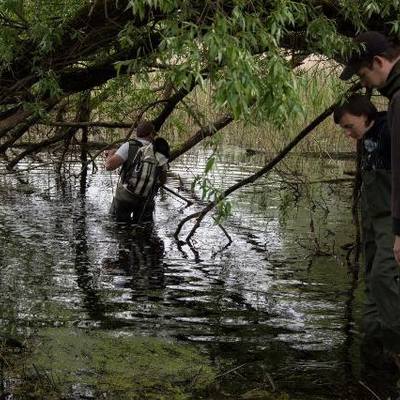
x=144 y=163
x=360 y=120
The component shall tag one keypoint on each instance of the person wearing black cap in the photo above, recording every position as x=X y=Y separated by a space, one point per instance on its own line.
x=377 y=63
x=360 y=120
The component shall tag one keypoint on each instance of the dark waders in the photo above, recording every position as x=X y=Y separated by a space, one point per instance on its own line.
x=382 y=305
x=127 y=207
x=381 y=320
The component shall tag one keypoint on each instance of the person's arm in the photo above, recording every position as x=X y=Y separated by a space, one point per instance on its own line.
x=395 y=151
x=113 y=162
x=115 y=158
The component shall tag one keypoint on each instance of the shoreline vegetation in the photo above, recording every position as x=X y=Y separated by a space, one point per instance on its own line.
x=318 y=88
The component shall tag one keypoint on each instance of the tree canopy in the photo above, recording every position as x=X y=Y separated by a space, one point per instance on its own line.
x=142 y=58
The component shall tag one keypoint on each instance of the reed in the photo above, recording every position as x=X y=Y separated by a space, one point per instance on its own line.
x=319 y=87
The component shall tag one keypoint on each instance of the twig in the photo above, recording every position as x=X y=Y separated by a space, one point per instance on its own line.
x=169 y=190
x=271 y=382
x=223 y=230
x=369 y=390
x=230 y=371
x=82 y=124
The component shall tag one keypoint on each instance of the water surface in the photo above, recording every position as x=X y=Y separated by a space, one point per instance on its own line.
x=265 y=302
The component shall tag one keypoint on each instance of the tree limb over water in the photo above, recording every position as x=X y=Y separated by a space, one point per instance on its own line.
x=92 y=43
x=242 y=56
x=199 y=216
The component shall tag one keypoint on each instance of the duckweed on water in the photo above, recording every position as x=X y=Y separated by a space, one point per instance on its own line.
x=74 y=364
x=124 y=367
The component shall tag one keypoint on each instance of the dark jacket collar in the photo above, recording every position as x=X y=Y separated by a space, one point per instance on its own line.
x=392 y=84
x=380 y=120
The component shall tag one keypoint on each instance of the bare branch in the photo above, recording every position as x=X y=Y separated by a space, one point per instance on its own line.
x=252 y=178
x=82 y=124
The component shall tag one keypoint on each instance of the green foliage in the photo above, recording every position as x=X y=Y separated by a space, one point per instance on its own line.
x=47 y=86
x=225 y=51
x=241 y=54
x=210 y=192
x=235 y=47
x=224 y=210
x=46 y=36
x=8 y=41
x=139 y=8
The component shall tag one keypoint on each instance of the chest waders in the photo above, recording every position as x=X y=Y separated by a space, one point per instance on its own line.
x=127 y=207
x=382 y=304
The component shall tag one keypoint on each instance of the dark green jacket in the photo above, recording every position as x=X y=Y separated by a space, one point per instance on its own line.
x=392 y=91
x=376 y=166
x=376 y=145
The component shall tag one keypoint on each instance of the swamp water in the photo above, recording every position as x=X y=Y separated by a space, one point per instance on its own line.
x=264 y=314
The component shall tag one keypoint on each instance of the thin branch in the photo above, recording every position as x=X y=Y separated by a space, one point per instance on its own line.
x=224 y=231
x=173 y=192
x=369 y=390
x=252 y=178
x=82 y=124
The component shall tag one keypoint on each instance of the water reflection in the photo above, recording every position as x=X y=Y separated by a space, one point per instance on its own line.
x=140 y=257
x=91 y=298
x=261 y=302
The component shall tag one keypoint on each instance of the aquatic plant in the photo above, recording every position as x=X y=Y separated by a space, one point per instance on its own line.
x=63 y=363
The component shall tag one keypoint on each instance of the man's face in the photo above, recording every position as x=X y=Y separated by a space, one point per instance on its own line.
x=375 y=75
x=354 y=126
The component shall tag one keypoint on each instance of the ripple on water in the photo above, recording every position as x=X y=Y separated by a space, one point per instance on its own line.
x=259 y=296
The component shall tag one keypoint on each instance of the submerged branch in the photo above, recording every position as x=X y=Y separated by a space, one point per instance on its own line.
x=174 y=193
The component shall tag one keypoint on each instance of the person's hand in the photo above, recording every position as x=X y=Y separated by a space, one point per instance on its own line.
x=396 y=249
x=109 y=152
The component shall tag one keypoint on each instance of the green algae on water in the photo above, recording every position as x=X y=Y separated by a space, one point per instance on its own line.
x=118 y=367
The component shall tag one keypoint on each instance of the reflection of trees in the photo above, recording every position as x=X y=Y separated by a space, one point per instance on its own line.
x=348 y=328
x=91 y=296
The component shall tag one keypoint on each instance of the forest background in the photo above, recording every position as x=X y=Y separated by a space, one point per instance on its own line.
x=252 y=74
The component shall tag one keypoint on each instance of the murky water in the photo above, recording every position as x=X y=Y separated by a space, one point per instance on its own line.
x=263 y=303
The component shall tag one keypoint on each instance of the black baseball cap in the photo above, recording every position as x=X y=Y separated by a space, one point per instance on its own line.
x=372 y=44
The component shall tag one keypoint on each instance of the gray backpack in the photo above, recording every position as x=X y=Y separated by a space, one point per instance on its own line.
x=141 y=178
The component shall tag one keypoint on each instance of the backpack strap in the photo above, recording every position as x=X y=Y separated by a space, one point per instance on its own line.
x=134 y=146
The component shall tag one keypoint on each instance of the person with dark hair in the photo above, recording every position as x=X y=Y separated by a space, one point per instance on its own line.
x=141 y=171
x=377 y=63
x=161 y=146
x=162 y=154
x=360 y=120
